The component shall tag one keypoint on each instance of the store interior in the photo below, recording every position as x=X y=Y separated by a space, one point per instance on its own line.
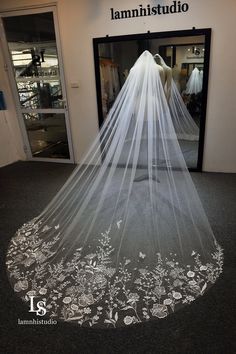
x=62 y=67
x=185 y=56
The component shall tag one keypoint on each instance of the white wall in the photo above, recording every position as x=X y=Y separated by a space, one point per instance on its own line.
x=81 y=20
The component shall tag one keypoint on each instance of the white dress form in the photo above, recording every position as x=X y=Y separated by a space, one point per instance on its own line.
x=167 y=75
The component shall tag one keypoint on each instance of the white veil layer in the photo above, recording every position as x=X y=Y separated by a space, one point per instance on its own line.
x=184 y=125
x=126 y=239
x=194 y=84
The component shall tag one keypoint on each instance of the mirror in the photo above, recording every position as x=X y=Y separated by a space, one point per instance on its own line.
x=186 y=53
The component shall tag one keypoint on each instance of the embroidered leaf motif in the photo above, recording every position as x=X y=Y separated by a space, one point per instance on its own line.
x=88 y=289
x=204 y=288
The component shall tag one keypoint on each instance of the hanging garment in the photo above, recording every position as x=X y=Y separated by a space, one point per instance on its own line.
x=110 y=83
x=201 y=78
x=103 y=93
x=126 y=239
x=194 y=84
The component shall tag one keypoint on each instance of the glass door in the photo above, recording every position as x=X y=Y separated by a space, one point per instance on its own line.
x=34 y=60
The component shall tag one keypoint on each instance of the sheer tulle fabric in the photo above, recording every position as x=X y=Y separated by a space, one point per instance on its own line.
x=184 y=125
x=194 y=84
x=126 y=239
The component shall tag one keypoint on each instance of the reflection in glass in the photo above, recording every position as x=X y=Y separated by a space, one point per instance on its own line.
x=47 y=134
x=33 y=51
x=185 y=57
x=32 y=45
x=40 y=94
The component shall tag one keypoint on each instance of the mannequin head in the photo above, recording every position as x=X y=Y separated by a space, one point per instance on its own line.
x=159 y=60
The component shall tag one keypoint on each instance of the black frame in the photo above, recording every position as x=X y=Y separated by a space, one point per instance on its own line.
x=147 y=36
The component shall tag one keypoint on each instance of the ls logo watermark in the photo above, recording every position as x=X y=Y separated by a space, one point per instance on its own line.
x=41 y=307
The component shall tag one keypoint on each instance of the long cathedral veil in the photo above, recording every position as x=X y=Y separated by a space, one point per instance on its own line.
x=184 y=125
x=126 y=239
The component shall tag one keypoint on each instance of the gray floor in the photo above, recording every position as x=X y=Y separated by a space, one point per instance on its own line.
x=206 y=326
x=190 y=152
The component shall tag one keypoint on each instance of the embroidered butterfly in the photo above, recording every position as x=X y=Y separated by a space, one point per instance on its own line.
x=118 y=223
x=142 y=255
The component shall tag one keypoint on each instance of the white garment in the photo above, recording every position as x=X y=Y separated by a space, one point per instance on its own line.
x=194 y=84
x=125 y=240
x=185 y=127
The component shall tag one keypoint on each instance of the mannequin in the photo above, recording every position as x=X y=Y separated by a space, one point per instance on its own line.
x=167 y=75
x=162 y=74
x=176 y=76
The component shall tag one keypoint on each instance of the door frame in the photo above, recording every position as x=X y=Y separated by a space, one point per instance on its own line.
x=14 y=90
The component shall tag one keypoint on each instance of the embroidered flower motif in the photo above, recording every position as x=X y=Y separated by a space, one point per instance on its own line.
x=29 y=261
x=176 y=272
x=109 y=272
x=133 y=297
x=90 y=256
x=127 y=294
x=21 y=285
x=192 y=282
x=177 y=283
x=74 y=307
x=177 y=295
x=67 y=300
x=61 y=278
x=85 y=300
x=51 y=282
x=19 y=258
x=143 y=271
x=159 y=291
x=159 y=310
x=19 y=239
x=100 y=279
x=87 y=310
x=190 y=274
x=203 y=268
x=31 y=293
x=43 y=291
x=167 y=302
x=128 y=320
x=190 y=298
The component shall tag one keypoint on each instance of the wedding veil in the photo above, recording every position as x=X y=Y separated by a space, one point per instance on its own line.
x=126 y=239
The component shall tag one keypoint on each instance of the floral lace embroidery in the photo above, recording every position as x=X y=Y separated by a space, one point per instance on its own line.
x=91 y=292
